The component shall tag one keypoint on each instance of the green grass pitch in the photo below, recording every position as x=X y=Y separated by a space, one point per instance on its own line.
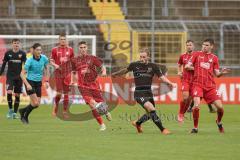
x=51 y=138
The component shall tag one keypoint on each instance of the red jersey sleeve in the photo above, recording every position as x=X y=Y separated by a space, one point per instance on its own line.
x=54 y=54
x=215 y=63
x=97 y=61
x=180 y=61
x=71 y=53
x=73 y=63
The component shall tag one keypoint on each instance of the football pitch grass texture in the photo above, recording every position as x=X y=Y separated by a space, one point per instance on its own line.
x=51 y=138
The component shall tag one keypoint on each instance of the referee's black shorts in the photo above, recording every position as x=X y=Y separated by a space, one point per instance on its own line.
x=36 y=88
x=142 y=96
x=14 y=83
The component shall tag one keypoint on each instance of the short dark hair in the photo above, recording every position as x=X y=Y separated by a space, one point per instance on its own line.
x=82 y=42
x=15 y=40
x=36 y=45
x=62 y=35
x=211 y=41
x=189 y=40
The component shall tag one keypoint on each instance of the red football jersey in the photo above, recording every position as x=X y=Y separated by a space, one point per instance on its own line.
x=86 y=66
x=62 y=57
x=204 y=66
x=183 y=60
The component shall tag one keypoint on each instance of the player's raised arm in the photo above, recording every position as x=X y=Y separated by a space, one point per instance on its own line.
x=120 y=72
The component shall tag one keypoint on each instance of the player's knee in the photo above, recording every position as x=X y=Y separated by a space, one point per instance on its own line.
x=219 y=106
x=35 y=103
x=92 y=102
x=66 y=97
x=59 y=95
x=9 y=92
x=17 y=99
x=149 y=107
x=17 y=94
x=185 y=99
x=196 y=108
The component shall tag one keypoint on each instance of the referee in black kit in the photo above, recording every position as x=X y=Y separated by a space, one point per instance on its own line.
x=143 y=72
x=15 y=58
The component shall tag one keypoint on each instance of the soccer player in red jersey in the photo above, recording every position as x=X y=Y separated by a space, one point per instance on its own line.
x=61 y=59
x=206 y=65
x=86 y=66
x=186 y=79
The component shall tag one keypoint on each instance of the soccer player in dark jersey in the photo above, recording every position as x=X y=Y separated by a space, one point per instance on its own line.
x=60 y=59
x=34 y=67
x=206 y=65
x=143 y=72
x=86 y=67
x=15 y=58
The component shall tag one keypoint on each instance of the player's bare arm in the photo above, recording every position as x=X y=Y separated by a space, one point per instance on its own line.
x=46 y=72
x=52 y=62
x=23 y=77
x=168 y=82
x=103 y=71
x=180 y=70
x=120 y=72
x=3 y=67
x=224 y=71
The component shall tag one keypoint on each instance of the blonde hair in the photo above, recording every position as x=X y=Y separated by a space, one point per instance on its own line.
x=146 y=50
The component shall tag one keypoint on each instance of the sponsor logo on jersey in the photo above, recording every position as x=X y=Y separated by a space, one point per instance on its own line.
x=205 y=65
x=149 y=69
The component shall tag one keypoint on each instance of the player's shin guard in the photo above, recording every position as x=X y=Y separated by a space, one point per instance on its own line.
x=16 y=103
x=9 y=99
x=156 y=120
x=195 y=113
x=142 y=119
x=97 y=116
x=220 y=113
x=65 y=102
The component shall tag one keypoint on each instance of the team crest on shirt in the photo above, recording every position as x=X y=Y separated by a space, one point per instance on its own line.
x=210 y=60
x=20 y=56
x=63 y=59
